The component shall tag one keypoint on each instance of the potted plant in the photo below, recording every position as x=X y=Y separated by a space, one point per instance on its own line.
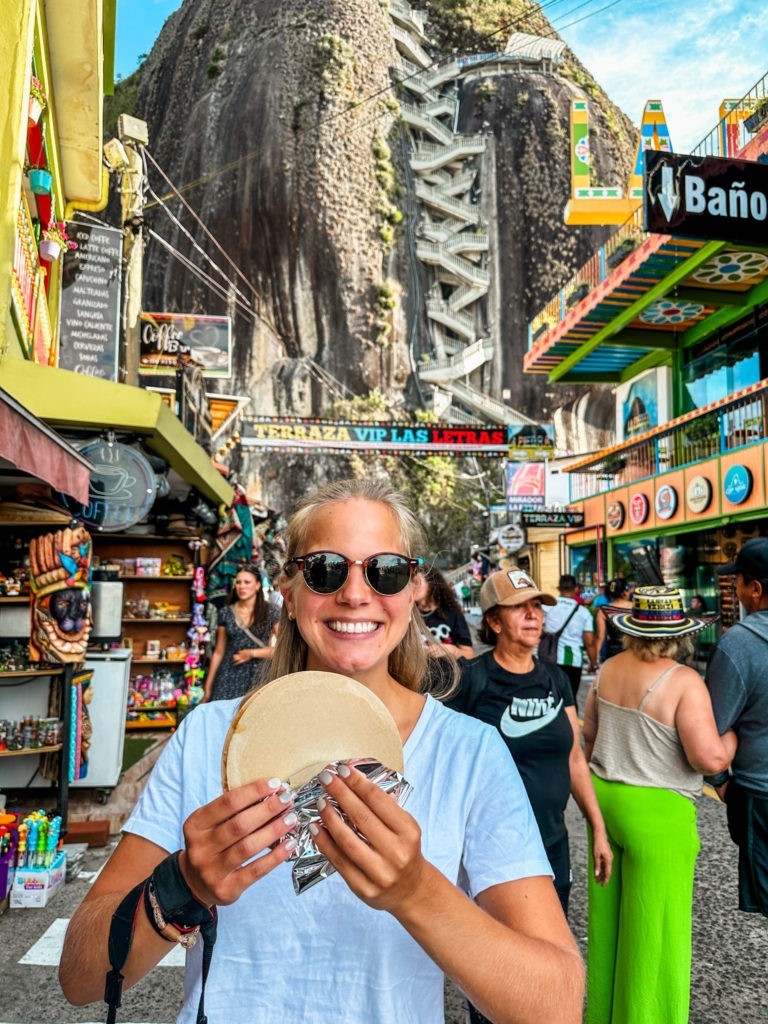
x=40 y=180
x=37 y=100
x=55 y=240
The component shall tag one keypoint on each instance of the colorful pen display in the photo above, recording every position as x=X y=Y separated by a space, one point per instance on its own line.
x=39 y=837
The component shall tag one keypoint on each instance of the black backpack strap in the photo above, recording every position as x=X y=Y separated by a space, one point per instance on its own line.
x=120 y=938
x=474 y=681
x=560 y=631
x=124 y=922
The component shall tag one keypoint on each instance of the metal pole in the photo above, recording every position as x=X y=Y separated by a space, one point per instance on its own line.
x=133 y=221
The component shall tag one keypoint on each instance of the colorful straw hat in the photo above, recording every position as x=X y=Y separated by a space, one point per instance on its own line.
x=657 y=612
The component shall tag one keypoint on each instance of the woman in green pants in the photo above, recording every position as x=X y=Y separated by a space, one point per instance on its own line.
x=650 y=733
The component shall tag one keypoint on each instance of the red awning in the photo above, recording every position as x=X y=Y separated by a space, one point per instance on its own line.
x=32 y=447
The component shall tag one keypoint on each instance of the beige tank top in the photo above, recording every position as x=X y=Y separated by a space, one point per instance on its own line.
x=634 y=748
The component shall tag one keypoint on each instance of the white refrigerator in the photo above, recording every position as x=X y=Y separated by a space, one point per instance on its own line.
x=111 y=671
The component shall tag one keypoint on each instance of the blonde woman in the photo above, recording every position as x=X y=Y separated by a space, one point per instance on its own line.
x=371 y=942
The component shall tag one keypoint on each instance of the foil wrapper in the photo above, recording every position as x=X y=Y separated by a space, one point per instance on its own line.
x=309 y=865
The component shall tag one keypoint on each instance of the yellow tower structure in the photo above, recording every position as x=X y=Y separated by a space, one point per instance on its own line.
x=610 y=205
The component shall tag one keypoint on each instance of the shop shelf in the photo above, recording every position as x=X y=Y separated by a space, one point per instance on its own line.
x=145 y=708
x=31 y=672
x=20 y=599
x=157 y=661
x=26 y=751
x=167 y=578
x=143 y=722
x=178 y=618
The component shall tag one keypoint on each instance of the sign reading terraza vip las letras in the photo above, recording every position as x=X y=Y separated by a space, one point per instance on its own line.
x=706 y=197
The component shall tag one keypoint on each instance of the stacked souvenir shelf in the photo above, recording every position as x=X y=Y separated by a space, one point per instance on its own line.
x=729 y=602
x=157 y=614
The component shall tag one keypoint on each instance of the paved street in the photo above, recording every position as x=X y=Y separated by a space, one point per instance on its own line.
x=729 y=947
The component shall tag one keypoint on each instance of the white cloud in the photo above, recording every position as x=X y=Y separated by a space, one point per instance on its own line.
x=689 y=54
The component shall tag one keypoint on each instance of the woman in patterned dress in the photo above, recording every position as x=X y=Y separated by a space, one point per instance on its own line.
x=243 y=639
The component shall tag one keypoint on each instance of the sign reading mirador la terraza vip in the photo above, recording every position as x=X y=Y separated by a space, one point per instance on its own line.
x=708 y=197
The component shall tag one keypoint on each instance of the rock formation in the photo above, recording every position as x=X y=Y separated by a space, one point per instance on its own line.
x=279 y=119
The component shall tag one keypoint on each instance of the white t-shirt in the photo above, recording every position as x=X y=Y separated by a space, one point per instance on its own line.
x=325 y=957
x=569 y=646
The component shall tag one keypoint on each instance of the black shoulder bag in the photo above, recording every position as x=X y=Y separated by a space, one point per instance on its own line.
x=549 y=641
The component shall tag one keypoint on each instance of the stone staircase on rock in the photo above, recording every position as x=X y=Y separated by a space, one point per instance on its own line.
x=452 y=240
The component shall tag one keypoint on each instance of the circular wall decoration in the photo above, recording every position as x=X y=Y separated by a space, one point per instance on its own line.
x=698 y=494
x=639 y=508
x=737 y=485
x=122 y=489
x=667 y=311
x=615 y=515
x=732 y=267
x=666 y=502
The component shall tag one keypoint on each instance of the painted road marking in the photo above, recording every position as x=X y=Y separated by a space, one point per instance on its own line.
x=46 y=952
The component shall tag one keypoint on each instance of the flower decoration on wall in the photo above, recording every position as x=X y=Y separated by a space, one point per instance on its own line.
x=55 y=241
x=666 y=311
x=37 y=100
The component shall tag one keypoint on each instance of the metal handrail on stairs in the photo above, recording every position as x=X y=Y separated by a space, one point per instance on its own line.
x=409 y=17
x=412 y=77
x=414 y=50
x=461 y=323
x=465 y=296
x=416 y=117
x=447 y=204
x=462 y=268
x=427 y=155
x=467 y=242
x=462 y=364
x=495 y=412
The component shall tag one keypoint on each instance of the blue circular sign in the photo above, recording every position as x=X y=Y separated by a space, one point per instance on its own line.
x=737 y=485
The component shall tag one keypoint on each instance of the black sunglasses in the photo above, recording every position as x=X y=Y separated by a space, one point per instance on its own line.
x=325 y=572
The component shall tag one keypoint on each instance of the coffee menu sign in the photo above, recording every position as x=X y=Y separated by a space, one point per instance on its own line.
x=90 y=301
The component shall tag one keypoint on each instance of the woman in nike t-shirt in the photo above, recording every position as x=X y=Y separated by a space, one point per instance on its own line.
x=531 y=705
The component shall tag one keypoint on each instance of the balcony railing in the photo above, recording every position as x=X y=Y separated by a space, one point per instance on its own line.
x=588 y=277
x=734 y=135
x=28 y=290
x=741 y=419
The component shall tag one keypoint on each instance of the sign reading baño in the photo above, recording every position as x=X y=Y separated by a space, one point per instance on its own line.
x=705 y=197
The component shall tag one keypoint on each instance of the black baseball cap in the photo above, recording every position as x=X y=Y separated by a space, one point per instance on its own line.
x=751 y=561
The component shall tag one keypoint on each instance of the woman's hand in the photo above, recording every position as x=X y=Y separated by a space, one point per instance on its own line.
x=387 y=870
x=221 y=836
x=247 y=654
x=602 y=855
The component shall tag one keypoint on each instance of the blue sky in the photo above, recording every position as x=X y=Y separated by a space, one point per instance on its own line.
x=138 y=26
x=690 y=54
